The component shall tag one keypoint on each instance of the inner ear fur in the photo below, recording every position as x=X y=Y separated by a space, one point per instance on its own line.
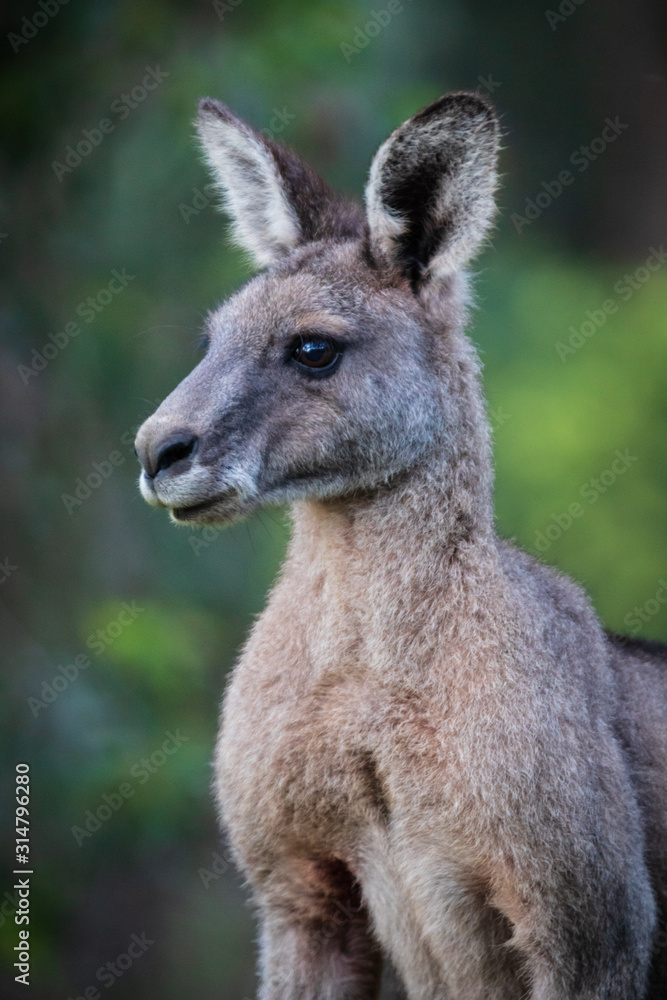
x=430 y=194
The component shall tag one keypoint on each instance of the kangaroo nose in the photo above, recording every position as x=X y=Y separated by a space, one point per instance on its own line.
x=163 y=454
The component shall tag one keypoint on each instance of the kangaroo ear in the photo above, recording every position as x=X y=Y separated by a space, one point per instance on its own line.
x=275 y=200
x=429 y=197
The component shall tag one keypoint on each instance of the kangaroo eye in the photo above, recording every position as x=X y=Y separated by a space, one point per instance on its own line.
x=316 y=354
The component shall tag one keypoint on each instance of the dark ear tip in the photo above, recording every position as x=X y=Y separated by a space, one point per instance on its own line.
x=464 y=102
x=209 y=106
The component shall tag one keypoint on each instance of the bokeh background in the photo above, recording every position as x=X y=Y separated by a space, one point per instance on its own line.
x=91 y=689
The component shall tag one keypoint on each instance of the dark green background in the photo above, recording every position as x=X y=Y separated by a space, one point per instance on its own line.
x=67 y=573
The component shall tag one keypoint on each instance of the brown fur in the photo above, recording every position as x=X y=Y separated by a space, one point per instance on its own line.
x=429 y=747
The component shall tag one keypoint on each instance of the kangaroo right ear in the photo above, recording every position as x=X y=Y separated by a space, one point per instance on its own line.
x=429 y=197
x=275 y=200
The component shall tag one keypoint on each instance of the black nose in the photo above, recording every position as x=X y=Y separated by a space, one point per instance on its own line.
x=164 y=454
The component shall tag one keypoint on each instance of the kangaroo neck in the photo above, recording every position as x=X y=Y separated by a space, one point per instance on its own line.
x=399 y=559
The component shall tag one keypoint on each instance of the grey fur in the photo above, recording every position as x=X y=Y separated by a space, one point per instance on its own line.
x=429 y=747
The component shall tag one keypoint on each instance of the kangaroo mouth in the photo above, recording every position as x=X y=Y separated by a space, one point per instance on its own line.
x=223 y=507
x=187 y=513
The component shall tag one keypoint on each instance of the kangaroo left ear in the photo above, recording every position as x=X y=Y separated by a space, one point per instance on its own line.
x=275 y=200
x=429 y=197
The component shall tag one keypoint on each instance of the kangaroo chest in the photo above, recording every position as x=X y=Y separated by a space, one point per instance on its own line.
x=338 y=723
x=310 y=763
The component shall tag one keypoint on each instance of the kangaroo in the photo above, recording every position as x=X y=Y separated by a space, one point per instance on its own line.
x=430 y=749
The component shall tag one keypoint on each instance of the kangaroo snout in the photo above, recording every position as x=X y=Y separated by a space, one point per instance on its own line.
x=188 y=465
x=172 y=452
x=170 y=475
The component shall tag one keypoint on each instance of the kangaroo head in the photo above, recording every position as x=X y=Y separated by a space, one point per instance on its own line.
x=336 y=369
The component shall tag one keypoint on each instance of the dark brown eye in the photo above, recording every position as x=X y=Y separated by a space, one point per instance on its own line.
x=316 y=354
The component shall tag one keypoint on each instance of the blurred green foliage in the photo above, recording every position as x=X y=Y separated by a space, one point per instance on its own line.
x=138 y=204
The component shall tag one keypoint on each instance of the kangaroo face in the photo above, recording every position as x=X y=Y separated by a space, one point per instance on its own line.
x=326 y=374
x=315 y=382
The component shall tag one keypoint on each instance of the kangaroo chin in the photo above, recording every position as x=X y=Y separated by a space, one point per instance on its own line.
x=221 y=509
